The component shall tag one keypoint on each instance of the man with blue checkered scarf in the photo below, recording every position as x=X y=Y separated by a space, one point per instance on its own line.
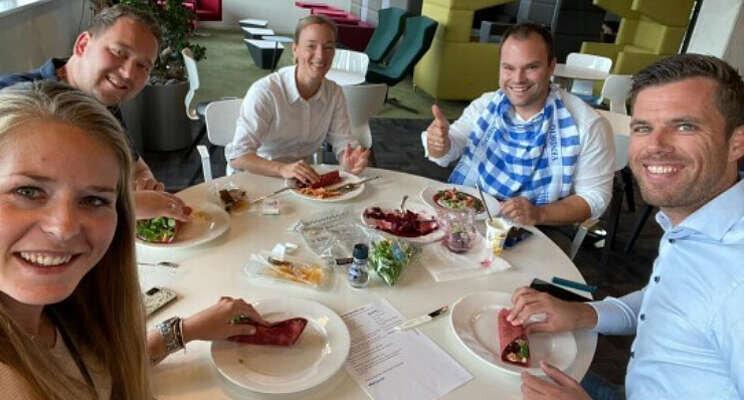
x=547 y=155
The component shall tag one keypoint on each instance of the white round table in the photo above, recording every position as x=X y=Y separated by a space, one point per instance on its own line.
x=345 y=78
x=214 y=269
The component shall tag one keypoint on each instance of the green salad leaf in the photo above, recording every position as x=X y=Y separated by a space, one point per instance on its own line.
x=388 y=257
x=158 y=230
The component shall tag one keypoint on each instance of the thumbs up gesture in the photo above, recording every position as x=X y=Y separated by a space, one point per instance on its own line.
x=437 y=134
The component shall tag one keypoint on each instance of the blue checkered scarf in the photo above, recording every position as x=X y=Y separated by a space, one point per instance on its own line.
x=512 y=159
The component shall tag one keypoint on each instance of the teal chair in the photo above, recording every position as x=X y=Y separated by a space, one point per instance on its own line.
x=417 y=38
x=389 y=28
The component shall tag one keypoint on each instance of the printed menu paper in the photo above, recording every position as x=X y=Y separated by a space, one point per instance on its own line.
x=389 y=364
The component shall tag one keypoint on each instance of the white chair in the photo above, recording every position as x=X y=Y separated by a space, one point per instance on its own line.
x=581 y=87
x=220 y=119
x=620 y=127
x=194 y=113
x=363 y=102
x=616 y=90
x=350 y=61
x=621 y=160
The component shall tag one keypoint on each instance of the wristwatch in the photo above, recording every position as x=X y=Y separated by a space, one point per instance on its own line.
x=170 y=329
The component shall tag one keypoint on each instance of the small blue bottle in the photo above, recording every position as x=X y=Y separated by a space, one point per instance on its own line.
x=358 y=274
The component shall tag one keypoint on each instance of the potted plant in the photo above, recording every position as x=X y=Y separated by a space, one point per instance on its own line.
x=159 y=109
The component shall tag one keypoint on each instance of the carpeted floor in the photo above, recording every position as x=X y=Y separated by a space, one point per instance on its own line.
x=397 y=146
x=228 y=71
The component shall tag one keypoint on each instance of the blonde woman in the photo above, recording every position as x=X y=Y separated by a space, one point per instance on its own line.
x=71 y=316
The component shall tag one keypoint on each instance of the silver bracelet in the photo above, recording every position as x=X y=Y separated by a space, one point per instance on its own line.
x=170 y=331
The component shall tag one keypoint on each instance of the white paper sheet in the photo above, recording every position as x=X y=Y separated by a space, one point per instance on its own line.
x=391 y=365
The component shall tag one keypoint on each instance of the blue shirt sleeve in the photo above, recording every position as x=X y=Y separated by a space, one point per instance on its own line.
x=618 y=316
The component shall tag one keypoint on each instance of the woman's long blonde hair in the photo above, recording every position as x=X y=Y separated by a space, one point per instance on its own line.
x=104 y=313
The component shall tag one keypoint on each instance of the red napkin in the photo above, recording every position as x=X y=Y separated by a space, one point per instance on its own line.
x=325 y=180
x=282 y=333
x=508 y=335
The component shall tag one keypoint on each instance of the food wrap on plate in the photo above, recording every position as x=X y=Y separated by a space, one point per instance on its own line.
x=513 y=345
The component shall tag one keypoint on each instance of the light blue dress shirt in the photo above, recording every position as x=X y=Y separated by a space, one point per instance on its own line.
x=689 y=319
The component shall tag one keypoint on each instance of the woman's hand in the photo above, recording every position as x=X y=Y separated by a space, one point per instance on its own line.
x=216 y=322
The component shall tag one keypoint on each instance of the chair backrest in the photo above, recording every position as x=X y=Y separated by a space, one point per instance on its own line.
x=193 y=74
x=621 y=151
x=417 y=38
x=389 y=28
x=620 y=124
x=363 y=102
x=351 y=61
x=616 y=90
x=221 y=117
x=598 y=63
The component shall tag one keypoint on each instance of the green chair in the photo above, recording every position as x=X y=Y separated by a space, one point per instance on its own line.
x=389 y=28
x=417 y=39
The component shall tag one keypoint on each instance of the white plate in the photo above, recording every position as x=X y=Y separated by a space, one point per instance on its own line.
x=346 y=177
x=317 y=355
x=474 y=320
x=198 y=231
x=427 y=195
x=416 y=207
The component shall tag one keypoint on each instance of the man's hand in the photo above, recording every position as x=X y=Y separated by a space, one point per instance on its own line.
x=564 y=388
x=300 y=171
x=150 y=204
x=215 y=322
x=354 y=160
x=148 y=183
x=520 y=210
x=437 y=134
x=560 y=316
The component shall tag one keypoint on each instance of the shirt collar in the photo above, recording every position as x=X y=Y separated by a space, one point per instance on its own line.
x=715 y=218
x=48 y=71
x=289 y=83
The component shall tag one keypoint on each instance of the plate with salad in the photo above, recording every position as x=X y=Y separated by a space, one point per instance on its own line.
x=208 y=221
x=459 y=197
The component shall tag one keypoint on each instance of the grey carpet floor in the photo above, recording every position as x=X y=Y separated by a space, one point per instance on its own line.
x=397 y=146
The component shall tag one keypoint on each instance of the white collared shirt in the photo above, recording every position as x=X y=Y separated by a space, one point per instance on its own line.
x=276 y=123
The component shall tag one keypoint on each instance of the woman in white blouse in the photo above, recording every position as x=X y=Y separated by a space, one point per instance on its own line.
x=287 y=115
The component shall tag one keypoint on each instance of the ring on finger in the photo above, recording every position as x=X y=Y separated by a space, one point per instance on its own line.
x=239 y=319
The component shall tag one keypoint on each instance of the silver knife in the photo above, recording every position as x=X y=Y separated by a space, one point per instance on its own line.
x=269 y=195
x=353 y=185
x=421 y=320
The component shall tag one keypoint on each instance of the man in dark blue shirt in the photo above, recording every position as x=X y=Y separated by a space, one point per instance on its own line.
x=111 y=61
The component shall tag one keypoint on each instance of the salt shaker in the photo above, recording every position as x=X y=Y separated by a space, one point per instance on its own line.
x=358 y=273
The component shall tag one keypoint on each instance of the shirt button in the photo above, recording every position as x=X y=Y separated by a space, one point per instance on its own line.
x=643 y=317
x=632 y=354
x=671 y=241
x=657 y=279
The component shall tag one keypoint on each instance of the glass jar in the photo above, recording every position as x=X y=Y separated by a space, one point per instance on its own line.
x=459 y=228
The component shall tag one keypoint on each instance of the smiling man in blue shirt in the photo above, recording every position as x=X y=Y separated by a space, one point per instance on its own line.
x=687 y=135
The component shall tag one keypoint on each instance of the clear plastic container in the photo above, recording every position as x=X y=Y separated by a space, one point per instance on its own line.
x=269 y=268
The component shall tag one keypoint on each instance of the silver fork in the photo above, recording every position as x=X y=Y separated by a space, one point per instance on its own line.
x=351 y=186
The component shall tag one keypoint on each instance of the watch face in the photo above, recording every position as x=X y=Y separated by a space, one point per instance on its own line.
x=156 y=298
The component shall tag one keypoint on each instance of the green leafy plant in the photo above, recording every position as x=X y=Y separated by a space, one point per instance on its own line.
x=177 y=23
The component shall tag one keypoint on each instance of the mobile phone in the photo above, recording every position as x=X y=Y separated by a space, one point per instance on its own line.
x=557 y=291
x=156 y=298
x=516 y=235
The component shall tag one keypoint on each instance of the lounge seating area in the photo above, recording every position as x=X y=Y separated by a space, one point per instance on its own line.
x=366 y=188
